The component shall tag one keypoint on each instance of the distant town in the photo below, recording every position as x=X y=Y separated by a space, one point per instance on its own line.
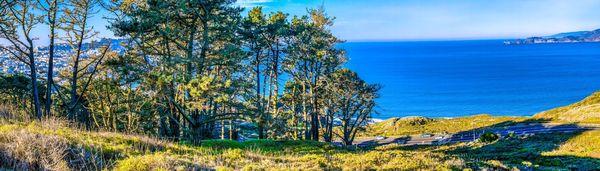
x=61 y=60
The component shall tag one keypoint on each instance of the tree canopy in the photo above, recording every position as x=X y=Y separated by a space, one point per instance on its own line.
x=195 y=70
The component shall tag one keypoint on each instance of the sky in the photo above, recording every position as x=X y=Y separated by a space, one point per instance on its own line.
x=381 y=20
x=402 y=20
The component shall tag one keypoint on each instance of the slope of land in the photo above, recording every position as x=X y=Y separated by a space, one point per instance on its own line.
x=584 y=111
x=55 y=146
x=422 y=125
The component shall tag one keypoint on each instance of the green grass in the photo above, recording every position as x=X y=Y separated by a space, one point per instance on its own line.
x=59 y=144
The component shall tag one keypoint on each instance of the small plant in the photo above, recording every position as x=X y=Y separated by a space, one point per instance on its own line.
x=488 y=137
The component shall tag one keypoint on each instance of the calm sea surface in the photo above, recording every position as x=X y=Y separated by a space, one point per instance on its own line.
x=458 y=78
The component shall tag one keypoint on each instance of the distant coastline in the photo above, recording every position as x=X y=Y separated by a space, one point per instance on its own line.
x=569 y=37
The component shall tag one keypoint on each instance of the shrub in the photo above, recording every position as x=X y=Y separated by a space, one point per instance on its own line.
x=418 y=121
x=488 y=137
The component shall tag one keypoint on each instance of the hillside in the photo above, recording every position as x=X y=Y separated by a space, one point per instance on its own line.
x=584 y=111
x=421 y=125
x=52 y=145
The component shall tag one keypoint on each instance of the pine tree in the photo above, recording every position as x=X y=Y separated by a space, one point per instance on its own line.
x=17 y=20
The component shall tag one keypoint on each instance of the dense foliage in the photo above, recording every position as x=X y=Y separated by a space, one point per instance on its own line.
x=190 y=70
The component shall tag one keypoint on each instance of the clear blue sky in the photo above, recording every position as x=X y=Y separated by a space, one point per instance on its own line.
x=447 y=19
x=390 y=20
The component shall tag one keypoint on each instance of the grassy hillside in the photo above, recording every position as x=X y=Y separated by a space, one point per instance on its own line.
x=559 y=151
x=53 y=145
x=584 y=111
x=420 y=125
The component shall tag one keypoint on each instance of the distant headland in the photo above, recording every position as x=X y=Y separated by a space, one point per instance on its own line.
x=569 y=37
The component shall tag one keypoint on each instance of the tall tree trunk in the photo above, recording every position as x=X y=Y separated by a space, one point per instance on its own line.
x=231 y=129
x=205 y=44
x=74 y=77
x=346 y=136
x=261 y=113
x=192 y=71
x=275 y=80
x=314 y=126
x=74 y=98
x=52 y=21
x=36 y=97
x=305 y=113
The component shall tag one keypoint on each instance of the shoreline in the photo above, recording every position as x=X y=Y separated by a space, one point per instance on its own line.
x=377 y=120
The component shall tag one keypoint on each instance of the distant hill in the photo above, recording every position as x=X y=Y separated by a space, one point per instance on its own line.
x=571 y=34
x=421 y=125
x=569 y=37
x=584 y=111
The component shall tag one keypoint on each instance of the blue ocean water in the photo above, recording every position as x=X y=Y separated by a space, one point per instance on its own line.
x=458 y=78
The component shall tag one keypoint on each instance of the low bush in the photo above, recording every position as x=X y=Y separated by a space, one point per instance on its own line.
x=488 y=137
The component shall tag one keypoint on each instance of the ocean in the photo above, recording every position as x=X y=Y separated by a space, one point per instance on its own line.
x=459 y=78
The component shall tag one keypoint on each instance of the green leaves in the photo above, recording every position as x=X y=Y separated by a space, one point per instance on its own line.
x=189 y=64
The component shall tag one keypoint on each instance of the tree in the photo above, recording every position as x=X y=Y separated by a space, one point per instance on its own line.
x=312 y=55
x=15 y=90
x=115 y=100
x=51 y=10
x=17 y=20
x=351 y=101
x=292 y=100
x=187 y=44
x=276 y=30
x=189 y=68
x=84 y=61
x=253 y=28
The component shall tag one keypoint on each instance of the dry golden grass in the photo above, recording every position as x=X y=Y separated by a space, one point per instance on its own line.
x=421 y=125
x=585 y=145
x=584 y=111
x=23 y=150
x=54 y=145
